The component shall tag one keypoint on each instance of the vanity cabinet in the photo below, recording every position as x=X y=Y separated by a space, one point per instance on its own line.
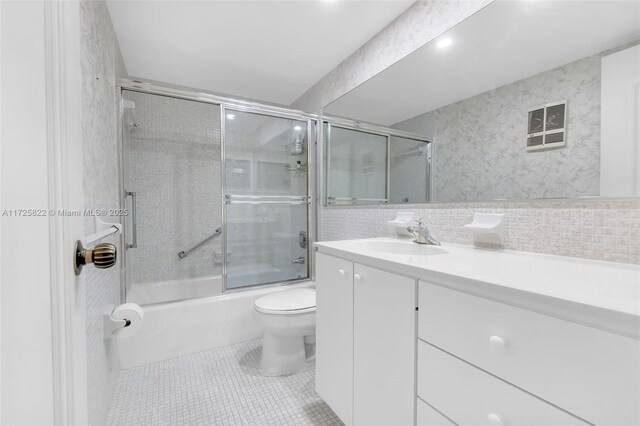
x=469 y=396
x=570 y=365
x=334 y=334
x=384 y=330
x=428 y=416
x=426 y=346
x=366 y=336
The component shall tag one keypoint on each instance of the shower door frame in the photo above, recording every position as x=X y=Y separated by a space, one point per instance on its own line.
x=295 y=115
x=324 y=149
x=180 y=92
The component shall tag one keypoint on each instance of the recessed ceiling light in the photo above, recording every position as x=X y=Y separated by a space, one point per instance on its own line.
x=231 y=116
x=297 y=128
x=445 y=42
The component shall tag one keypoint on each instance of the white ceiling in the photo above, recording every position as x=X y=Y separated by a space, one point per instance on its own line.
x=265 y=50
x=505 y=42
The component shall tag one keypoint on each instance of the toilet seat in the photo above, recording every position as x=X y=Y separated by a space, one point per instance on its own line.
x=288 y=302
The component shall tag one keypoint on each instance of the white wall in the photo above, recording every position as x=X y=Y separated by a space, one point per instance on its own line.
x=620 y=146
x=27 y=351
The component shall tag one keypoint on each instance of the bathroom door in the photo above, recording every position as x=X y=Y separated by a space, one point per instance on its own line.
x=266 y=196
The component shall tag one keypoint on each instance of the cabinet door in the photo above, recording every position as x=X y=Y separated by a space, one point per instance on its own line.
x=427 y=416
x=384 y=348
x=334 y=334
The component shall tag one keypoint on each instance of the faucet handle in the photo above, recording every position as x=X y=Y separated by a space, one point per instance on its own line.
x=421 y=222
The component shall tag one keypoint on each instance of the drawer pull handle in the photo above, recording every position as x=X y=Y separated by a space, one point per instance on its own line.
x=497 y=342
x=357 y=276
x=496 y=419
x=341 y=271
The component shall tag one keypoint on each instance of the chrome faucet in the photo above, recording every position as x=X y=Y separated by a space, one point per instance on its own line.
x=421 y=234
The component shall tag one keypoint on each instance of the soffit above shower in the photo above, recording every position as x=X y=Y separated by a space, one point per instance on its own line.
x=271 y=51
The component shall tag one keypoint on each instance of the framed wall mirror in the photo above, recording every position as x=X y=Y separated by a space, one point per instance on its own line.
x=544 y=105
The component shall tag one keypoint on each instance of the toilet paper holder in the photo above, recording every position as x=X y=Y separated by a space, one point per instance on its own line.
x=111 y=324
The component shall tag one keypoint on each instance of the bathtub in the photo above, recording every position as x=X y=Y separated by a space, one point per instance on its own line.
x=170 y=290
x=179 y=328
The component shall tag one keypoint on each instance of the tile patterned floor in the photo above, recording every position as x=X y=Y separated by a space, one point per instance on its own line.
x=222 y=386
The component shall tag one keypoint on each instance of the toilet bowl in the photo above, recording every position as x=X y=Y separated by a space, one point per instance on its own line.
x=287 y=317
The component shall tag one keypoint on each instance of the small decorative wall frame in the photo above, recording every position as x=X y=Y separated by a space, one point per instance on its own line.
x=547 y=126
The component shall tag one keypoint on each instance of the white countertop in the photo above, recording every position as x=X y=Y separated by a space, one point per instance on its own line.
x=601 y=294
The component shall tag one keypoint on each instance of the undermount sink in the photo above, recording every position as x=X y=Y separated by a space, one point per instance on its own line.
x=399 y=248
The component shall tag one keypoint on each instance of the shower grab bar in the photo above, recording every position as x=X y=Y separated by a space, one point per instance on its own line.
x=134 y=220
x=185 y=253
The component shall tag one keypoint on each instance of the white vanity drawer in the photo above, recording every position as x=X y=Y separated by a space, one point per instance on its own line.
x=427 y=416
x=575 y=367
x=470 y=396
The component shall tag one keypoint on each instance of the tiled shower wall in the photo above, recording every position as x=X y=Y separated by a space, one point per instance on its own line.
x=172 y=162
x=101 y=65
x=173 y=157
x=601 y=229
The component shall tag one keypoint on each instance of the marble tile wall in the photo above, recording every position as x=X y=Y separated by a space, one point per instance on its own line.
x=600 y=229
x=492 y=126
x=101 y=63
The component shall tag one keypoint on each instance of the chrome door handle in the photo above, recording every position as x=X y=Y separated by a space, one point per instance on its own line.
x=134 y=220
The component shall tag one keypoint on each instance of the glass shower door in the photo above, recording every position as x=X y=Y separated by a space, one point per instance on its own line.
x=172 y=178
x=356 y=166
x=266 y=198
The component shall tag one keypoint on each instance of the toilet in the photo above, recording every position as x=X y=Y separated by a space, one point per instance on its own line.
x=288 y=318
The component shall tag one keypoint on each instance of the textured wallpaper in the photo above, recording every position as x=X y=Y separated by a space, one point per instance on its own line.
x=101 y=63
x=480 y=142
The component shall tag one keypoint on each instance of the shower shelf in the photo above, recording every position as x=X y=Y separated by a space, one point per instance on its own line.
x=295 y=148
x=299 y=167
